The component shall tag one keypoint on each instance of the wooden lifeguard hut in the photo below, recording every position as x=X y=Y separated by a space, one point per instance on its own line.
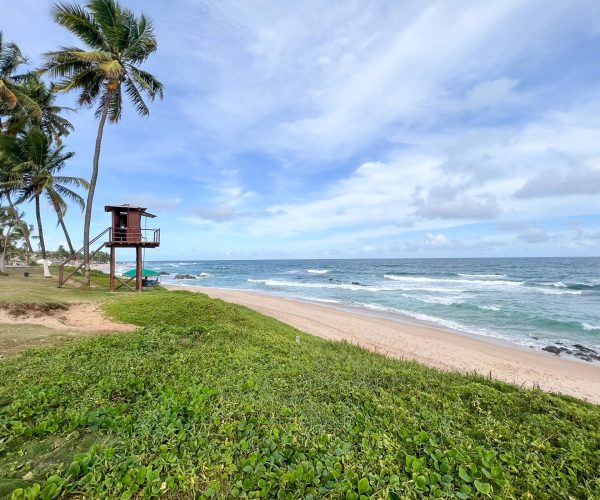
x=126 y=231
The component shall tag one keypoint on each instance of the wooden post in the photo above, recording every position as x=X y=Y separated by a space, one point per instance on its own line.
x=138 y=268
x=112 y=268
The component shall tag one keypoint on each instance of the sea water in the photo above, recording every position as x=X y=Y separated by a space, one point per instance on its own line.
x=533 y=302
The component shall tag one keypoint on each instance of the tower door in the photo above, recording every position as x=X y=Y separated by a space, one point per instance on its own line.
x=122 y=226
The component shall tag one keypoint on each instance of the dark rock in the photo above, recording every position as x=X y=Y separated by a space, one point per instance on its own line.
x=553 y=349
x=583 y=348
x=164 y=273
x=184 y=277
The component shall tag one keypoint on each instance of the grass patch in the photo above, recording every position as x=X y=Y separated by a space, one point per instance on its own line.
x=213 y=399
x=16 y=289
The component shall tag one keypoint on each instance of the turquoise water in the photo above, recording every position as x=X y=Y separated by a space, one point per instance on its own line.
x=532 y=302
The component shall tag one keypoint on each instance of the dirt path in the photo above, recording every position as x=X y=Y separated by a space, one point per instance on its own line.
x=26 y=325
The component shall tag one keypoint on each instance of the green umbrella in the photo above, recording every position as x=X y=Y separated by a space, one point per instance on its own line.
x=145 y=272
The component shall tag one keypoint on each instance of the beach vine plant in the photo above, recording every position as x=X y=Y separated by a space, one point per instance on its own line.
x=117 y=42
x=213 y=400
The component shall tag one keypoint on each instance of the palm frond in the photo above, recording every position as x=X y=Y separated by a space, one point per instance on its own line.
x=108 y=15
x=147 y=81
x=71 y=195
x=136 y=98
x=79 y=22
x=115 y=106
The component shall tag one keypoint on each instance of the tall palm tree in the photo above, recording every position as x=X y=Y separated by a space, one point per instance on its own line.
x=50 y=119
x=8 y=179
x=37 y=162
x=118 y=43
x=12 y=95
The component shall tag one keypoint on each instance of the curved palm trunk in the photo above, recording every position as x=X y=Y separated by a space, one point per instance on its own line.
x=41 y=235
x=19 y=221
x=90 y=196
x=61 y=221
x=67 y=237
x=4 y=247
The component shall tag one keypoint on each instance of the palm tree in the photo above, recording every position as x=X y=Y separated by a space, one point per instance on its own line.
x=12 y=95
x=49 y=120
x=8 y=179
x=37 y=162
x=10 y=234
x=118 y=43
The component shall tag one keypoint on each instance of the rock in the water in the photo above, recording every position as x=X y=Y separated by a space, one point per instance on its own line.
x=164 y=273
x=553 y=349
x=184 y=277
x=585 y=349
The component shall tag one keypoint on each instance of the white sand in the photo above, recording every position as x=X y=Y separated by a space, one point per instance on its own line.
x=425 y=344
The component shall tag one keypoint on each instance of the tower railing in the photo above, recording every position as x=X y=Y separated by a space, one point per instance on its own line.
x=130 y=235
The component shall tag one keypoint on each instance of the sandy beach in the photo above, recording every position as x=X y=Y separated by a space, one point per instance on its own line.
x=425 y=344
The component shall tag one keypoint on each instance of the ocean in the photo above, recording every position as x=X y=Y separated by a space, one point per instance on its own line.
x=551 y=303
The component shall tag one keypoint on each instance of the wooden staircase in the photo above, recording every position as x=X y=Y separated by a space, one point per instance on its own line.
x=61 y=270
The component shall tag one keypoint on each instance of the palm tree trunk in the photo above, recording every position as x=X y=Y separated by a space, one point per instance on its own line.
x=90 y=196
x=41 y=234
x=23 y=226
x=64 y=228
x=4 y=247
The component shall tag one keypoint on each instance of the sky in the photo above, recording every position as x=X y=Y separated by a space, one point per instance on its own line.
x=351 y=129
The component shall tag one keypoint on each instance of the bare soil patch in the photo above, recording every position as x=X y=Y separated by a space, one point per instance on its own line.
x=33 y=325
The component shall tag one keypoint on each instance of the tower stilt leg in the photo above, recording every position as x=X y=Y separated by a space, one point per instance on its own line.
x=112 y=269
x=138 y=268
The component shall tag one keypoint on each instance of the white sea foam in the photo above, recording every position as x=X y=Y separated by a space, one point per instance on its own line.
x=558 y=284
x=422 y=279
x=434 y=299
x=340 y=286
x=549 y=291
x=483 y=275
x=489 y=308
x=452 y=325
x=318 y=271
x=204 y=275
x=588 y=327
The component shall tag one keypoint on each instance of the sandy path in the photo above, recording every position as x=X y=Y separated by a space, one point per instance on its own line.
x=84 y=317
x=42 y=328
x=428 y=345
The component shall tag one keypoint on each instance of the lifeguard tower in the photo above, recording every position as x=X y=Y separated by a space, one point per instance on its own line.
x=125 y=231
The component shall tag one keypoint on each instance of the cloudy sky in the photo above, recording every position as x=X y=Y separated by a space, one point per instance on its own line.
x=353 y=128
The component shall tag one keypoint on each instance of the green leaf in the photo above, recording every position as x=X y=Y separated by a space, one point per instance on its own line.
x=363 y=485
x=484 y=488
x=464 y=475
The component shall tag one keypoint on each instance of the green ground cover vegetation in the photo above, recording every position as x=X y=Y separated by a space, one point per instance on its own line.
x=210 y=399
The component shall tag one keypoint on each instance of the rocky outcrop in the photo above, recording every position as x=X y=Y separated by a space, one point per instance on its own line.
x=577 y=350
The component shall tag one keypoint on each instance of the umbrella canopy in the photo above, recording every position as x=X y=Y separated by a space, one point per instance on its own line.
x=145 y=272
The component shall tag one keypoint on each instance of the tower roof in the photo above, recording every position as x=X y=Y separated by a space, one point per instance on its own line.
x=127 y=206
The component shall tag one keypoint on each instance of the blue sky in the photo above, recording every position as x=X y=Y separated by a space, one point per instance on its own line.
x=353 y=128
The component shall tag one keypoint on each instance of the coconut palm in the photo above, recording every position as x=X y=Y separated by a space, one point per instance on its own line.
x=12 y=95
x=10 y=234
x=8 y=179
x=50 y=119
x=118 y=42
x=37 y=162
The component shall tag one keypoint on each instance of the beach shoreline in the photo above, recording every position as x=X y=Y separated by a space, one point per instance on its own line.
x=423 y=343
